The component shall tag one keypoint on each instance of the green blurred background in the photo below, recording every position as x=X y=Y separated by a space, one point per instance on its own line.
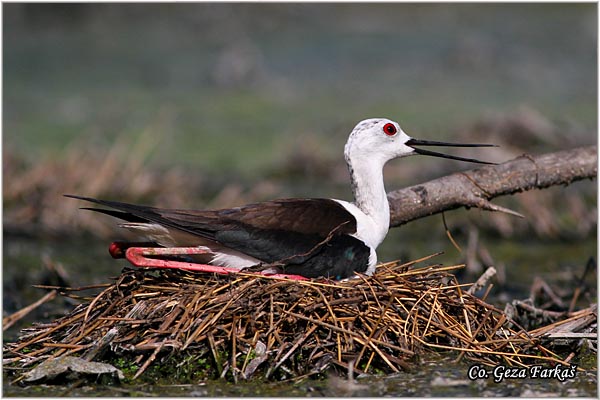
x=232 y=103
x=229 y=87
x=213 y=105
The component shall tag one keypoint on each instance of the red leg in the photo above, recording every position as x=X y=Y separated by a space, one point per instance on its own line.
x=145 y=257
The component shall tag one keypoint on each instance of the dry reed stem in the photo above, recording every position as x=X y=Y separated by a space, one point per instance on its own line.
x=376 y=323
x=9 y=321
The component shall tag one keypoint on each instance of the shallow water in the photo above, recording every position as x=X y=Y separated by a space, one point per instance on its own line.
x=436 y=376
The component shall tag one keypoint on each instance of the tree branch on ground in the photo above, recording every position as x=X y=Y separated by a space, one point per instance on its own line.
x=475 y=188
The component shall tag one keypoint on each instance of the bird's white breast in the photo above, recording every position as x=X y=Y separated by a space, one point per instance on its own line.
x=370 y=230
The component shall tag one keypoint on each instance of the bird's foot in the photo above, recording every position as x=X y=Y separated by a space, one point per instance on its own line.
x=154 y=257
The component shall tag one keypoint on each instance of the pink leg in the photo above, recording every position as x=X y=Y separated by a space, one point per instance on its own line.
x=138 y=256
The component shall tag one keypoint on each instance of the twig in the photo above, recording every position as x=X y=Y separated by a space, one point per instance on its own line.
x=483 y=280
x=9 y=321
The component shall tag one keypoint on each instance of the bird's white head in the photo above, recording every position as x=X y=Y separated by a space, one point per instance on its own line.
x=377 y=138
x=380 y=140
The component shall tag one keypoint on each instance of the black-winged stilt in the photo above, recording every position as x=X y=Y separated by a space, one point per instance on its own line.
x=302 y=236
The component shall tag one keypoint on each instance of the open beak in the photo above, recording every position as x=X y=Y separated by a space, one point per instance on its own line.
x=416 y=142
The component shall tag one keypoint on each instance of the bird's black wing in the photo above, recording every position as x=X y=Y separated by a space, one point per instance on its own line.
x=289 y=230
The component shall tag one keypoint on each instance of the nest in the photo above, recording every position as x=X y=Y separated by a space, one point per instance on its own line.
x=244 y=325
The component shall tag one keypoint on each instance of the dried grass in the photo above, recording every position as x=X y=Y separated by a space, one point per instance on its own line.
x=33 y=191
x=257 y=326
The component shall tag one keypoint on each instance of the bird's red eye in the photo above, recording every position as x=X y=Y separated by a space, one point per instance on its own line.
x=389 y=129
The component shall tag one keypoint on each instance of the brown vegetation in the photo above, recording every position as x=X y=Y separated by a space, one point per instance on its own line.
x=256 y=326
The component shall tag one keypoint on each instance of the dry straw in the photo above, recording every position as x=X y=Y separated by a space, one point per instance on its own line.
x=256 y=326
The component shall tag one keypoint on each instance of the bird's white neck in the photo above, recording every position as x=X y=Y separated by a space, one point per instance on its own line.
x=366 y=174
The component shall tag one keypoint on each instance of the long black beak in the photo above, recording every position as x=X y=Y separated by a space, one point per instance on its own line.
x=417 y=142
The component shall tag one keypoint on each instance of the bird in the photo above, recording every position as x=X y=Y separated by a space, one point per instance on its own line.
x=310 y=237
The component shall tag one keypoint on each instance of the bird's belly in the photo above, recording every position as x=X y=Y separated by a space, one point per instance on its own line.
x=233 y=259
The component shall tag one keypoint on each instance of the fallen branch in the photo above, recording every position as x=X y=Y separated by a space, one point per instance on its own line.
x=11 y=319
x=475 y=188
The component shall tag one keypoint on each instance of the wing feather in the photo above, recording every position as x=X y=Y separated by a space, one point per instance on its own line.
x=269 y=231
